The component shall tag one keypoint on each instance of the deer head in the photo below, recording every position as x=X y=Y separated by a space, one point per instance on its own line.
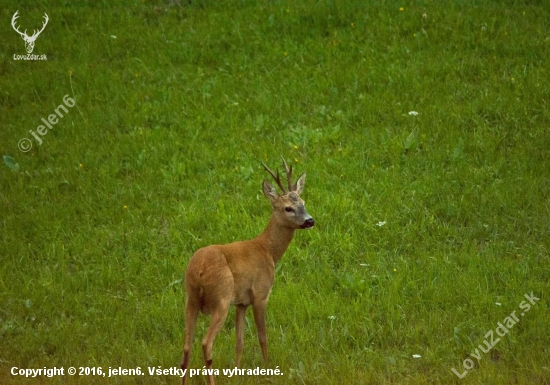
x=288 y=208
x=29 y=40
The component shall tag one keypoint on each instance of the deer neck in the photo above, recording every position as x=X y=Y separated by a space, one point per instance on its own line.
x=276 y=238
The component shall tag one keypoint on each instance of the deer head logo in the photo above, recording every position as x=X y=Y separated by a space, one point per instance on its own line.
x=29 y=40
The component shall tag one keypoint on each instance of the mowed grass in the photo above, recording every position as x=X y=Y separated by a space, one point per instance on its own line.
x=429 y=228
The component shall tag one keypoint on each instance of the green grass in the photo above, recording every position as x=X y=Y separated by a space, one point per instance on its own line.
x=161 y=155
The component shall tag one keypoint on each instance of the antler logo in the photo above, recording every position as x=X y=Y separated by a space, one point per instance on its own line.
x=29 y=40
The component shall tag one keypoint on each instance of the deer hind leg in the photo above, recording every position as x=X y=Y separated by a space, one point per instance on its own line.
x=259 y=318
x=239 y=329
x=217 y=320
x=191 y=314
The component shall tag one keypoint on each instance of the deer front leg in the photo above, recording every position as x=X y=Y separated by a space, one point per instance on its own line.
x=239 y=329
x=259 y=318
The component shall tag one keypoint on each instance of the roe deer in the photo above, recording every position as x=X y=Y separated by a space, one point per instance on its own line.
x=242 y=273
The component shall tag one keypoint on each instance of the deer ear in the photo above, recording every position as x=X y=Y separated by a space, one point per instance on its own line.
x=269 y=191
x=300 y=183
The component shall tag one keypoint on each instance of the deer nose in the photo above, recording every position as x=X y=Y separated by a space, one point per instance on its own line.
x=309 y=223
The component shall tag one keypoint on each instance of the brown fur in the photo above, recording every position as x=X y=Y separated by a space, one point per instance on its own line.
x=241 y=273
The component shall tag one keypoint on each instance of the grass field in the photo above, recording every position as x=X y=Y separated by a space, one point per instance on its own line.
x=430 y=227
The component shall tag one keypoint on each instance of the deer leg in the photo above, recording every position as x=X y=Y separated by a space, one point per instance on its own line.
x=239 y=329
x=259 y=319
x=191 y=313
x=216 y=323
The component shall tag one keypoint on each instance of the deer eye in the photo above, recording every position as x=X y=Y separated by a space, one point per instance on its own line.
x=288 y=209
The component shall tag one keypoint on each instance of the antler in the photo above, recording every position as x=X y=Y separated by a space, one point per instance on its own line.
x=276 y=177
x=15 y=16
x=43 y=25
x=24 y=34
x=288 y=172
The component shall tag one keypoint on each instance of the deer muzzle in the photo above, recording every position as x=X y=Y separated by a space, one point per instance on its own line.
x=308 y=223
